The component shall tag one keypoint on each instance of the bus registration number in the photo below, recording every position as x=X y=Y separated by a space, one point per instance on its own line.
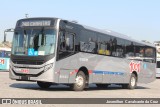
x=25 y=71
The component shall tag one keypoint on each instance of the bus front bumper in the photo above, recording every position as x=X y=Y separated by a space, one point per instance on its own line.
x=46 y=76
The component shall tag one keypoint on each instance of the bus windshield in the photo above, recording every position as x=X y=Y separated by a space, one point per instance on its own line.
x=34 y=42
x=4 y=54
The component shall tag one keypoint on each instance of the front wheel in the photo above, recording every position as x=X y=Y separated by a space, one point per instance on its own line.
x=80 y=82
x=44 y=85
x=132 y=83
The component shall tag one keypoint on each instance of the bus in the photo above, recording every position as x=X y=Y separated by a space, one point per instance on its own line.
x=4 y=58
x=56 y=51
x=157 y=44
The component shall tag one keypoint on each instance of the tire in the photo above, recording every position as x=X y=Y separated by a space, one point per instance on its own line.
x=80 y=82
x=132 y=82
x=102 y=85
x=43 y=85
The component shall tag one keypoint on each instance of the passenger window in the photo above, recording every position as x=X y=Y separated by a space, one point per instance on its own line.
x=150 y=55
x=119 y=52
x=139 y=50
x=88 y=42
x=129 y=49
x=104 y=44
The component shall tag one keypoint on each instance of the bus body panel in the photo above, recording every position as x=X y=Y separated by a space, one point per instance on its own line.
x=102 y=69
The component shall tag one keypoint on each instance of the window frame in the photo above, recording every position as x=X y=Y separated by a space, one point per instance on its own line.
x=68 y=53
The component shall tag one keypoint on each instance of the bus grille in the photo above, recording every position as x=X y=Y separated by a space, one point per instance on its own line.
x=29 y=62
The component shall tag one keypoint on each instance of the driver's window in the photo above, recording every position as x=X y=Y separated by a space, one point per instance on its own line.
x=66 y=41
x=69 y=42
x=62 y=41
x=66 y=44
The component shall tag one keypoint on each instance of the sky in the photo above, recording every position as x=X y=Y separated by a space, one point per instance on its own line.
x=139 y=19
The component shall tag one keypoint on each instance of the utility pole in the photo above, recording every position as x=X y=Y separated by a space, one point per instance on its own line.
x=26 y=15
x=4 y=36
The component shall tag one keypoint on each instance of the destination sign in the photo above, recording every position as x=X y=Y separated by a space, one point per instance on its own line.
x=36 y=23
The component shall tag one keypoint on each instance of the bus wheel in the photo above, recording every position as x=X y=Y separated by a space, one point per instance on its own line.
x=80 y=82
x=132 y=83
x=102 y=85
x=44 y=84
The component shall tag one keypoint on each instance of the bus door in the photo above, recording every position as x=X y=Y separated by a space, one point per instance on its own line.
x=66 y=48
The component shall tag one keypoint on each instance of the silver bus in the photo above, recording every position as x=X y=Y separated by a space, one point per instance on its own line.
x=55 y=51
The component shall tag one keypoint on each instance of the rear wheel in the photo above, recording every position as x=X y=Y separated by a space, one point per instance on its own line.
x=102 y=85
x=44 y=84
x=132 y=83
x=80 y=82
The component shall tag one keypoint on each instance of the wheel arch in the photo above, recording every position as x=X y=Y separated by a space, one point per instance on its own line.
x=85 y=70
x=135 y=73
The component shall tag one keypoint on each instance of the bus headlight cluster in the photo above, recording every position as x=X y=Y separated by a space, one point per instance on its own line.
x=47 y=67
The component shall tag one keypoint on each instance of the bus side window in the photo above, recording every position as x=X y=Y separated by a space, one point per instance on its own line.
x=129 y=49
x=69 y=42
x=88 y=41
x=66 y=41
x=104 y=44
x=139 y=50
x=62 y=41
x=150 y=55
x=66 y=44
x=120 y=47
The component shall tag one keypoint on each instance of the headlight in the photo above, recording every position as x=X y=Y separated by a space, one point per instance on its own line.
x=47 y=67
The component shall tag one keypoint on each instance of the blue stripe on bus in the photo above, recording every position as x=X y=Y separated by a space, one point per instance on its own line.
x=107 y=72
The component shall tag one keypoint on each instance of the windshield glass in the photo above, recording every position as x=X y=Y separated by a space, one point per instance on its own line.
x=5 y=54
x=34 y=42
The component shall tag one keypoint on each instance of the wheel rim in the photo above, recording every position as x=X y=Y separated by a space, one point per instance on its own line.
x=133 y=81
x=79 y=81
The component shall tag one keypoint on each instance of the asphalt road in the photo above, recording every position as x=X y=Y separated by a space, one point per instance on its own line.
x=22 y=89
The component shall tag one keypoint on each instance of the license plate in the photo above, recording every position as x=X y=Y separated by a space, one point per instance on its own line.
x=26 y=71
x=24 y=77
